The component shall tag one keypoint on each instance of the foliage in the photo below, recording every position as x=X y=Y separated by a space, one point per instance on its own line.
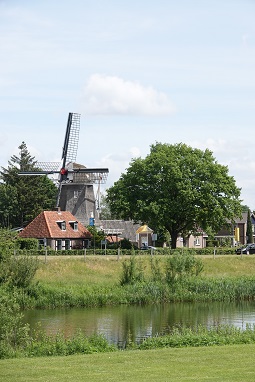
x=22 y=198
x=8 y=204
x=13 y=332
x=43 y=345
x=176 y=269
x=132 y=271
x=97 y=236
x=7 y=242
x=177 y=188
x=245 y=208
x=201 y=336
x=18 y=271
x=181 y=266
x=249 y=233
x=156 y=270
x=27 y=243
x=105 y=213
x=126 y=243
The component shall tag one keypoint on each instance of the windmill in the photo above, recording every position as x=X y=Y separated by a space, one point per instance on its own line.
x=75 y=181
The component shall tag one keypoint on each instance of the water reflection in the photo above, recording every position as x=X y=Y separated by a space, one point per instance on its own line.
x=120 y=323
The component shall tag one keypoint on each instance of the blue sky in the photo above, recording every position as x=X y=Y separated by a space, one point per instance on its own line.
x=138 y=72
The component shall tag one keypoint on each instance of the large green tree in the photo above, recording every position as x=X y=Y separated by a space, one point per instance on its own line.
x=22 y=198
x=177 y=188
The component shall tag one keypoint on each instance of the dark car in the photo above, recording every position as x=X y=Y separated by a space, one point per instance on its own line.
x=250 y=248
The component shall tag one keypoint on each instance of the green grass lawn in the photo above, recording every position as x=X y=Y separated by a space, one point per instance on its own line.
x=210 y=364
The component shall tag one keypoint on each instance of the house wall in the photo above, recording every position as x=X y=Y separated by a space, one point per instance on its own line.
x=192 y=241
x=229 y=232
x=73 y=243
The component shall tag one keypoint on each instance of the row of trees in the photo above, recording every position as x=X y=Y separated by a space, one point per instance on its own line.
x=176 y=189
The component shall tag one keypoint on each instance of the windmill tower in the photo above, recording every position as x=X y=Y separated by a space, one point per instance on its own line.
x=75 y=181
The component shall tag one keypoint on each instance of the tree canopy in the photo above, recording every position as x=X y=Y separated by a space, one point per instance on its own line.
x=177 y=188
x=22 y=198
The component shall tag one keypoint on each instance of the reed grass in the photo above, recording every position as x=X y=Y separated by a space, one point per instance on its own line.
x=200 y=336
x=40 y=345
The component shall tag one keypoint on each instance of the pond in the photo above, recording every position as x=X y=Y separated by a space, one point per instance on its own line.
x=120 y=323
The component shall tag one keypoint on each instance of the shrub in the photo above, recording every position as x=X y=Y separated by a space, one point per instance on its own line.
x=132 y=271
x=18 y=271
x=126 y=244
x=180 y=266
x=24 y=243
x=13 y=333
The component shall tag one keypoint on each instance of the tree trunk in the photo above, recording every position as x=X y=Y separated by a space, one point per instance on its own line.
x=174 y=236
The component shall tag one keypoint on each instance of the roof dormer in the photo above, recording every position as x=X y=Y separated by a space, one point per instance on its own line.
x=74 y=224
x=61 y=224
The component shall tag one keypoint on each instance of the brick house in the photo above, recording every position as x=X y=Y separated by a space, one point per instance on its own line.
x=59 y=230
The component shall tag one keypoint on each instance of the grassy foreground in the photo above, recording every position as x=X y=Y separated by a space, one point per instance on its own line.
x=213 y=364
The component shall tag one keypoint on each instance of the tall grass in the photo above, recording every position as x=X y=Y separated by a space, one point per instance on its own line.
x=38 y=344
x=201 y=336
x=73 y=282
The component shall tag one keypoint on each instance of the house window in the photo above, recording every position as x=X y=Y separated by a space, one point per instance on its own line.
x=253 y=228
x=197 y=241
x=74 y=225
x=62 y=225
x=42 y=243
x=67 y=244
x=59 y=245
x=86 y=243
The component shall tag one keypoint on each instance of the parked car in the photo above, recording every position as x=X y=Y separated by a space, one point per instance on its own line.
x=250 y=248
x=147 y=247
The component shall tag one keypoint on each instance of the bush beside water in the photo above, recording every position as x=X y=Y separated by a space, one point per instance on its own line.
x=201 y=336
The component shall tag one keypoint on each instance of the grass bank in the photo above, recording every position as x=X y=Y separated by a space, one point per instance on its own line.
x=230 y=363
x=107 y=269
x=73 y=282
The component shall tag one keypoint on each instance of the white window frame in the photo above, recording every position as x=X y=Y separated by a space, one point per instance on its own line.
x=197 y=241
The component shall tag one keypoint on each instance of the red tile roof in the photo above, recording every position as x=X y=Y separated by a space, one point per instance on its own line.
x=113 y=238
x=45 y=226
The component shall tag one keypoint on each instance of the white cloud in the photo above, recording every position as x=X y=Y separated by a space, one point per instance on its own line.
x=113 y=95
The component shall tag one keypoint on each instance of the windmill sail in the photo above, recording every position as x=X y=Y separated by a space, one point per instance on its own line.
x=71 y=139
x=75 y=181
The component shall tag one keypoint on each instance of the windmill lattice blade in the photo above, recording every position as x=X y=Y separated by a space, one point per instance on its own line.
x=72 y=138
x=90 y=175
x=48 y=166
